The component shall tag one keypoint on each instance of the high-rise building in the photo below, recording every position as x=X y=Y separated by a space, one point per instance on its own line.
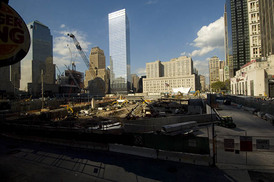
x=135 y=83
x=163 y=76
x=228 y=68
x=214 y=69
x=202 y=82
x=96 y=77
x=254 y=29
x=9 y=79
x=38 y=58
x=180 y=66
x=237 y=33
x=119 y=49
x=221 y=71
x=267 y=26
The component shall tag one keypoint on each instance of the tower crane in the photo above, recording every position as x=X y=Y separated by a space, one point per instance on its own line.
x=91 y=68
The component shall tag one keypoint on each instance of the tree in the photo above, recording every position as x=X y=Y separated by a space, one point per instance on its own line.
x=217 y=86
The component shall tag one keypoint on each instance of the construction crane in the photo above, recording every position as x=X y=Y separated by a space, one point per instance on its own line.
x=79 y=48
x=91 y=68
x=73 y=77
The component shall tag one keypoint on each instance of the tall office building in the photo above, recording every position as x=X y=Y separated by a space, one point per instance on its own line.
x=254 y=29
x=202 y=82
x=96 y=78
x=228 y=68
x=119 y=52
x=214 y=69
x=38 y=58
x=238 y=33
x=267 y=26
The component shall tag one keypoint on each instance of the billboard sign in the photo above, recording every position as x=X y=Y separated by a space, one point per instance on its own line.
x=14 y=36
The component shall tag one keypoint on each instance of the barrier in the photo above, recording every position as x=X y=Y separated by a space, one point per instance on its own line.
x=204 y=160
x=133 y=150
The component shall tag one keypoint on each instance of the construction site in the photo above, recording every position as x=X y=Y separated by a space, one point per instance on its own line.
x=162 y=124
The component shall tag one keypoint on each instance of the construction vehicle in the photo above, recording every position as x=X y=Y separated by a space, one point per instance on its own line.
x=197 y=93
x=225 y=121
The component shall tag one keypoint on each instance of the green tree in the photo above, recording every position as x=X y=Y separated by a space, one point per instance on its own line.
x=218 y=86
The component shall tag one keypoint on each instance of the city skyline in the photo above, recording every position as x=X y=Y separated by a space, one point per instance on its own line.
x=160 y=29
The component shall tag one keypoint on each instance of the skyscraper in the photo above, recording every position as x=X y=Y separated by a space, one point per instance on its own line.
x=267 y=26
x=254 y=29
x=119 y=52
x=38 y=58
x=214 y=69
x=238 y=32
x=96 y=77
x=228 y=68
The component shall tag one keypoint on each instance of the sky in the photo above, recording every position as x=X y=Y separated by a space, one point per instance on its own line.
x=159 y=29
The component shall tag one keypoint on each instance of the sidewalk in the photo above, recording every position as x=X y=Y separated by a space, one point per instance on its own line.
x=242 y=172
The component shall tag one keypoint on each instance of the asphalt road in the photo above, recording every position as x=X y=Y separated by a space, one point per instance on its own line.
x=247 y=123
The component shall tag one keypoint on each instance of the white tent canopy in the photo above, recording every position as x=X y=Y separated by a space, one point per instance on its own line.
x=183 y=90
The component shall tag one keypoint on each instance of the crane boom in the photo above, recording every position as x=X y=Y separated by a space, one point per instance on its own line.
x=79 y=48
x=91 y=68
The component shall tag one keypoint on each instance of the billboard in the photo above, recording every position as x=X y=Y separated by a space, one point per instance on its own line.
x=14 y=36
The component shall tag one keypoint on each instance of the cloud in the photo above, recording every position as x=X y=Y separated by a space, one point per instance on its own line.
x=201 y=66
x=209 y=38
x=62 y=26
x=185 y=54
x=64 y=50
x=141 y=71
x=152 y=2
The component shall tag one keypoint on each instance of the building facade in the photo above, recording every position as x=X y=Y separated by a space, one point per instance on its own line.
x=10 y=79
x=228 y=68
x=180 y=66
x=39 y=57
x=237 y=33
x=266 y=8
x=254 y=29
x=96 y=77
x=214 y=70
x=163 y=76
x=203 y=83
x=255 y=78
x=135 y=83
x=119 y=50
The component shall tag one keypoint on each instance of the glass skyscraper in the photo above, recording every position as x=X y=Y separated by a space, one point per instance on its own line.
x=39 y=57
x=119 y=52
x=237 y=33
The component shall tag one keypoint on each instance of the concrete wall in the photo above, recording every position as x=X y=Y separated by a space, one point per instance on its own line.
x=155 y=124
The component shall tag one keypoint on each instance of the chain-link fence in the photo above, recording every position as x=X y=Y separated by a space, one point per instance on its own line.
x=245 y=150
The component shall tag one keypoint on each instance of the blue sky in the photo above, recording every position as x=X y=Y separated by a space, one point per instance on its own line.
x=159 y=29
